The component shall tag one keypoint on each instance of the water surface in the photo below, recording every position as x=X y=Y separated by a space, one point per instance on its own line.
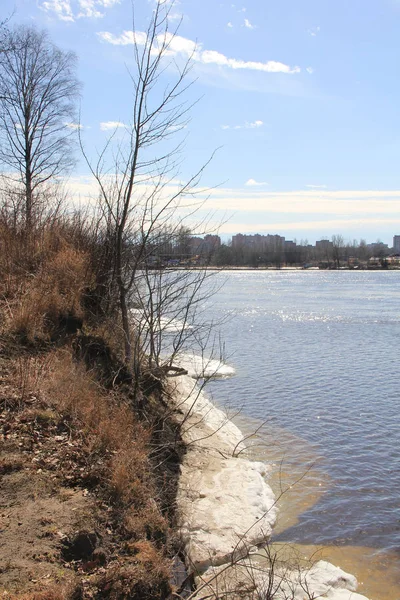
x=316 y=353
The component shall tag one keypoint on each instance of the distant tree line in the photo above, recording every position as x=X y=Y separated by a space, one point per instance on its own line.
x=334 y=253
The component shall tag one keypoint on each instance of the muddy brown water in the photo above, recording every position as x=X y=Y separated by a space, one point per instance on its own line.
x=298 y=480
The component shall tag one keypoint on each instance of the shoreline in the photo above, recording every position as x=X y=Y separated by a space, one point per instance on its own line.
x=227 y=510
x=302 y=269
x=225 y=506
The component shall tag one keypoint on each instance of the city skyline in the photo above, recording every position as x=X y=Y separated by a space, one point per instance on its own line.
x=239 y=238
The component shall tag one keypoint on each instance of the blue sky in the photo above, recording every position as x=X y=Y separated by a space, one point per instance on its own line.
x=301 y=98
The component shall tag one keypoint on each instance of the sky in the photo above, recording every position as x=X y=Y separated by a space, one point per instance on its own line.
x=298 y=101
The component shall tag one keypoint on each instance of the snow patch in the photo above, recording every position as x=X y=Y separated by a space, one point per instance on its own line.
x=225 y=505
x=160 y=324
x=199 y=367
x=322 y=580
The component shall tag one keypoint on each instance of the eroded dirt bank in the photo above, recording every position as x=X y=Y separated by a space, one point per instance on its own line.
x=87 y=485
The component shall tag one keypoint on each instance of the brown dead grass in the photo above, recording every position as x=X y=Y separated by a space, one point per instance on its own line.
x=105 y=451
x=142 y=576
x=51 y=593
x=42 y=276
x=68 y=442
x=55 y=290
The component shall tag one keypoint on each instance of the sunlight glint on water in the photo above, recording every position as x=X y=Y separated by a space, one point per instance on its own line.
x=316 y=354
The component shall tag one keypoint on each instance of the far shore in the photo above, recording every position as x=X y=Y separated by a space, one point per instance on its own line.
x=244 y=268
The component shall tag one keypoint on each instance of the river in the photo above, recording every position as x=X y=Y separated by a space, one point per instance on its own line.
x=316 y=358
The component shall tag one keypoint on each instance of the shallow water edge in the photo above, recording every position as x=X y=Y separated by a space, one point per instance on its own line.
x=226 y=508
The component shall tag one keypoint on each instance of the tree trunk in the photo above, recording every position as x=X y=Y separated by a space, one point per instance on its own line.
x=28 y=175
x=28 y=199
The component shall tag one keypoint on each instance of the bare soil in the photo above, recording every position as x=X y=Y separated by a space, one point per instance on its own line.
x=61 y=536
x=39 y=511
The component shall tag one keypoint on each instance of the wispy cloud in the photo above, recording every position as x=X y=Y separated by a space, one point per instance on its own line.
x=75 y=126
x=254 y=183
x=109 y=3
x=70 y=10
x=314 y=31
x=310 y=70
x=189 y=48
x=107 y=125
x=229 y=25
x=316 y=187
x=61 y=8
x=257 y=210
x=319 y=227
x=216 y=58
x=346 y=204
x=248 y=25
x=88 y=8
x=175 y=16
x=246 y=125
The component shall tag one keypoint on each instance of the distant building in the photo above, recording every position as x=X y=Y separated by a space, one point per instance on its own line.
x=258 y=242
x=393 y=259
x=378 y=249
x=324 y=245
x=207 y=245
x=396 y=243
x=211 y=243
x=195 y=244
x=290 y=245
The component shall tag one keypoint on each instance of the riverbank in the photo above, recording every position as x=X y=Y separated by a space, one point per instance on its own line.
x=84 y=511
x=227 y=510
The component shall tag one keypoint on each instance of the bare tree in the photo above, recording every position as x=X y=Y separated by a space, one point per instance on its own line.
x=141 y=200
x=337 y=249
x=38 y=87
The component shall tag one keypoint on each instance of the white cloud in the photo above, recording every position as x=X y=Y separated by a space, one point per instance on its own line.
x=230 y=25
x=175 y=16
x=314 y=31
x=107 y=125
x=319 y=227
x=189 y=48
x=274 y=212
x=310 y=70
x=316 y=187
x=109 y=3
x=127 y=38
x=61 y=8
x=88 y=9
x=75 y=126
x=247 y=125
x=178 y=44
x=248 y=25
x=216 y=58
x=254 y=183
x=346 y=204
x=70 y=10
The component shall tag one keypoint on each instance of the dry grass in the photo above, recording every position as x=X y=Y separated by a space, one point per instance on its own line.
x=54 y=292
x=104 y=428
x=142 y=576
x=112 y=430
x=28 y=373
x=44 y=279
x=52 y=593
